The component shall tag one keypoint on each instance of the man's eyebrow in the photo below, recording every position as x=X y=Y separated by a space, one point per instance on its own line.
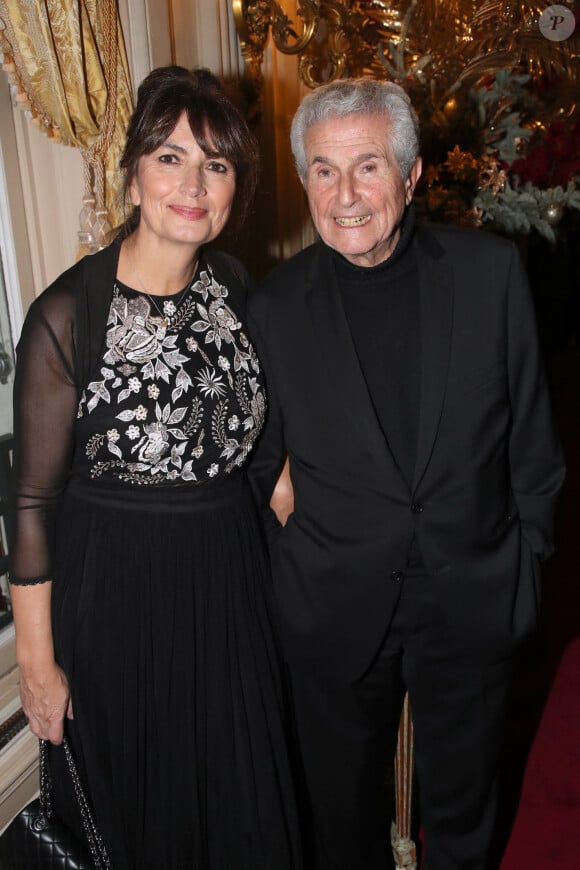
x=359 y=158
x=369 y=155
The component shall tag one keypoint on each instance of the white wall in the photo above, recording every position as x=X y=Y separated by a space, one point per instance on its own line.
x=14 y=235
x=52 y=183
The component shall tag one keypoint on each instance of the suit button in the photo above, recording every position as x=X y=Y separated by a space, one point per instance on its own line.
x=397 y=576
x=417 y=508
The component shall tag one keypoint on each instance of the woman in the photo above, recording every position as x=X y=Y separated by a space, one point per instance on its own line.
x=139 y=580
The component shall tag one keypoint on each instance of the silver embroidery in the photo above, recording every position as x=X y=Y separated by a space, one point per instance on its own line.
x=166 y=377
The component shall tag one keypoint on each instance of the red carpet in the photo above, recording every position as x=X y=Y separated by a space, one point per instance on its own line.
x=542 y=760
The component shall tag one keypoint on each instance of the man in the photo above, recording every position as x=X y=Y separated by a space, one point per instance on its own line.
x=406 y=388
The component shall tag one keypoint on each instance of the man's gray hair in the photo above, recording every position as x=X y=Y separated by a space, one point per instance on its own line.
x=347 y=97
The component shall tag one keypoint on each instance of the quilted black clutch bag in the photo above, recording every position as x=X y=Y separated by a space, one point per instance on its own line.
x=37 y=838
x=34 y=841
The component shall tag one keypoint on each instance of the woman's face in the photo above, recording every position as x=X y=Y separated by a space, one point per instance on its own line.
x=184 y=195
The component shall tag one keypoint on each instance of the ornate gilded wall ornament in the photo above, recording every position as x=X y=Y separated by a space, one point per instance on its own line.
x=440 y=43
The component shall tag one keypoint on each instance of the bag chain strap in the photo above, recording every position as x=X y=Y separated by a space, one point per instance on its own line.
x=94 y=839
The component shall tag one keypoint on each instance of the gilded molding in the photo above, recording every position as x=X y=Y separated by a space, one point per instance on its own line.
x=439 y=44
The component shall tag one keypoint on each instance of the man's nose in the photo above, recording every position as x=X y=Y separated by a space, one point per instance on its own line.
x=347 y=189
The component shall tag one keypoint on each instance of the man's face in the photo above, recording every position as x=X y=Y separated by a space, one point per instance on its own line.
x=356 y=195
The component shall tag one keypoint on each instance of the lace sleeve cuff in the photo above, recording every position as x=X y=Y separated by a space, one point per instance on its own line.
x=28 y=581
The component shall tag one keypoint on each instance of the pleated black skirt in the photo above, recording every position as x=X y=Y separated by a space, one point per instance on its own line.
x=162 y=624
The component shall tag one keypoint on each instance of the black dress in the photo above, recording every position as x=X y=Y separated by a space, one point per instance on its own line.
x=161 y=585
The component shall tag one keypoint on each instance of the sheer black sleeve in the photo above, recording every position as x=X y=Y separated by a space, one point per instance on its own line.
x=45 y=408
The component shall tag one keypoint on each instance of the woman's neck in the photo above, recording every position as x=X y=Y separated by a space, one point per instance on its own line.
x=156 y=269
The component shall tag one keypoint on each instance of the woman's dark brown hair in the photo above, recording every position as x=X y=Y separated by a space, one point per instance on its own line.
x=217 y=125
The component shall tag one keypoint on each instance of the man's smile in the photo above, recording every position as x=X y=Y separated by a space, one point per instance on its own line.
x=357 y=221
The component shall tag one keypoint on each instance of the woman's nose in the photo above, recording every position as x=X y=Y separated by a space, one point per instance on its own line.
x=192 y=182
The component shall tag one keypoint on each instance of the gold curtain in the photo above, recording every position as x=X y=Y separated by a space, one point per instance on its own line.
x=67 y=63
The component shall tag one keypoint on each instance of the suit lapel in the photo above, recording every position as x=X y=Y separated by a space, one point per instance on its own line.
x=343 y=367
x=336 y=345
x=436 y=306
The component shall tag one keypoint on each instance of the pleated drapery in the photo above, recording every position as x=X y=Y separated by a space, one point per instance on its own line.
x=67 y=64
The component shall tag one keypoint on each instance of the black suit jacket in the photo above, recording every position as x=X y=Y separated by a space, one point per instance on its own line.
x=488 y=465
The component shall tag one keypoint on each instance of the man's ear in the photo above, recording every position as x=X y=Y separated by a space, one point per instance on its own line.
x=412 y=179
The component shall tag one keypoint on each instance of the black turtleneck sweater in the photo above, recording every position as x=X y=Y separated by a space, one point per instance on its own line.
x=382 y=308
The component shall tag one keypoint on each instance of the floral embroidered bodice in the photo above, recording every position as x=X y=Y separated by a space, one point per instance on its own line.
x=178 y=396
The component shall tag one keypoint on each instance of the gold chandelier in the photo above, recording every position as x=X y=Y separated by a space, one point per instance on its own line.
x=439 y=43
